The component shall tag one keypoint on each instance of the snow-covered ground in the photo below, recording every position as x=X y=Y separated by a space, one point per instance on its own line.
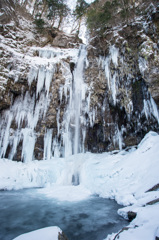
x=125 y=176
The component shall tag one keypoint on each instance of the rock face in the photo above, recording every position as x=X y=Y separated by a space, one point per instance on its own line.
x=57 y=99
x=7 y=11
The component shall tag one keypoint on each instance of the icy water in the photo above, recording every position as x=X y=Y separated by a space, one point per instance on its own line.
x=27 y=210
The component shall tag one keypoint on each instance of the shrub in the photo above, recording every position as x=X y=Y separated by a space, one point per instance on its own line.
x=39 y=24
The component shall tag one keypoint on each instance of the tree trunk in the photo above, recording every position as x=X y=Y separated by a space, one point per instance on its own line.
x=35 y=7
x=60 y=21
x=44 y=7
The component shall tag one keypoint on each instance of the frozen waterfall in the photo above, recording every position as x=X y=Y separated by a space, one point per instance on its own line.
x=24 y=124
x=73 y=126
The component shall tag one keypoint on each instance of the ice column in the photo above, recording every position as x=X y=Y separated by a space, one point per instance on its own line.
x=73 y=124
x=111 y=77
x=48 y=145
x=150 y=108
x=79 y=95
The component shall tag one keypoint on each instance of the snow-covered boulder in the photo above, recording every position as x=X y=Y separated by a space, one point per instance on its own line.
x=49 y=233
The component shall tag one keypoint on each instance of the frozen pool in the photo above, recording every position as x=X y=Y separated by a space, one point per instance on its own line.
x=26 y=210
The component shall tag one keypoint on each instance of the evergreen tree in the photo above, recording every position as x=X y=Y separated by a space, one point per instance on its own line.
x=57 y=9
x=80 y=10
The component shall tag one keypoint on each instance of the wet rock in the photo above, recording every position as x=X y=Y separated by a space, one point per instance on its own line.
x=5 y=100
x=62 y=236
x=153 y=202
x=154 y=188
x=131 y=215
x=39 y=148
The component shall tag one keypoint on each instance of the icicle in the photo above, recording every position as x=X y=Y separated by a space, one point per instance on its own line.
x=58 y=122
x=5 y=135
x=49 y=75
x=150 y=108
x=155 y=111
x=61 y=93
x=33 y=74
x=49 y=53
x=88 y=101
x=107 y=71
x=16 y=140
x=111 y=77
x=56 y=148
x=114 y=52
x=142 y=65
x=41 y=79
x=83 y=139
x=48 y=144
x=113 y=88
x=147 y=108
x=28 y=144
x=119 y=139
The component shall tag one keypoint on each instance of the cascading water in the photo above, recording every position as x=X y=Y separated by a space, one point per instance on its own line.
x=73 y=126
x=74 y=130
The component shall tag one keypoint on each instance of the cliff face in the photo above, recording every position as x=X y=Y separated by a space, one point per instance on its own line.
x=59 y=98
x=130 y=66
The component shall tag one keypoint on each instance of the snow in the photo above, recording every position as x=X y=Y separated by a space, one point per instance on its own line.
x=66 y=193
x=90 y=1
x=144 y=226
x=125 y=176
x=49 y=233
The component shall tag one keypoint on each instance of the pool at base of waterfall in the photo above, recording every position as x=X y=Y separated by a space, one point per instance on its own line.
x=26 y=210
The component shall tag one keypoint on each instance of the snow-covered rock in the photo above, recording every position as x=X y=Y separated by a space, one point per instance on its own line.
x=49 y=233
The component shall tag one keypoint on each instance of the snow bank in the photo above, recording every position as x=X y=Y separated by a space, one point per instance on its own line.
x=17 y=175
x=49 y=233
x=112 y=175
x=124 y=176
x=144 y=226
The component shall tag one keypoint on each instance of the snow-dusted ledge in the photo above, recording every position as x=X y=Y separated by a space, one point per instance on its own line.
x=49 y=233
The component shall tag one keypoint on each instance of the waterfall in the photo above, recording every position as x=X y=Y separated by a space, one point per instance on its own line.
x=79 y=90
x=73 y=125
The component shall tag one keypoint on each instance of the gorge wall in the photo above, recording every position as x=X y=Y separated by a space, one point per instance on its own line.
x=59 y=97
